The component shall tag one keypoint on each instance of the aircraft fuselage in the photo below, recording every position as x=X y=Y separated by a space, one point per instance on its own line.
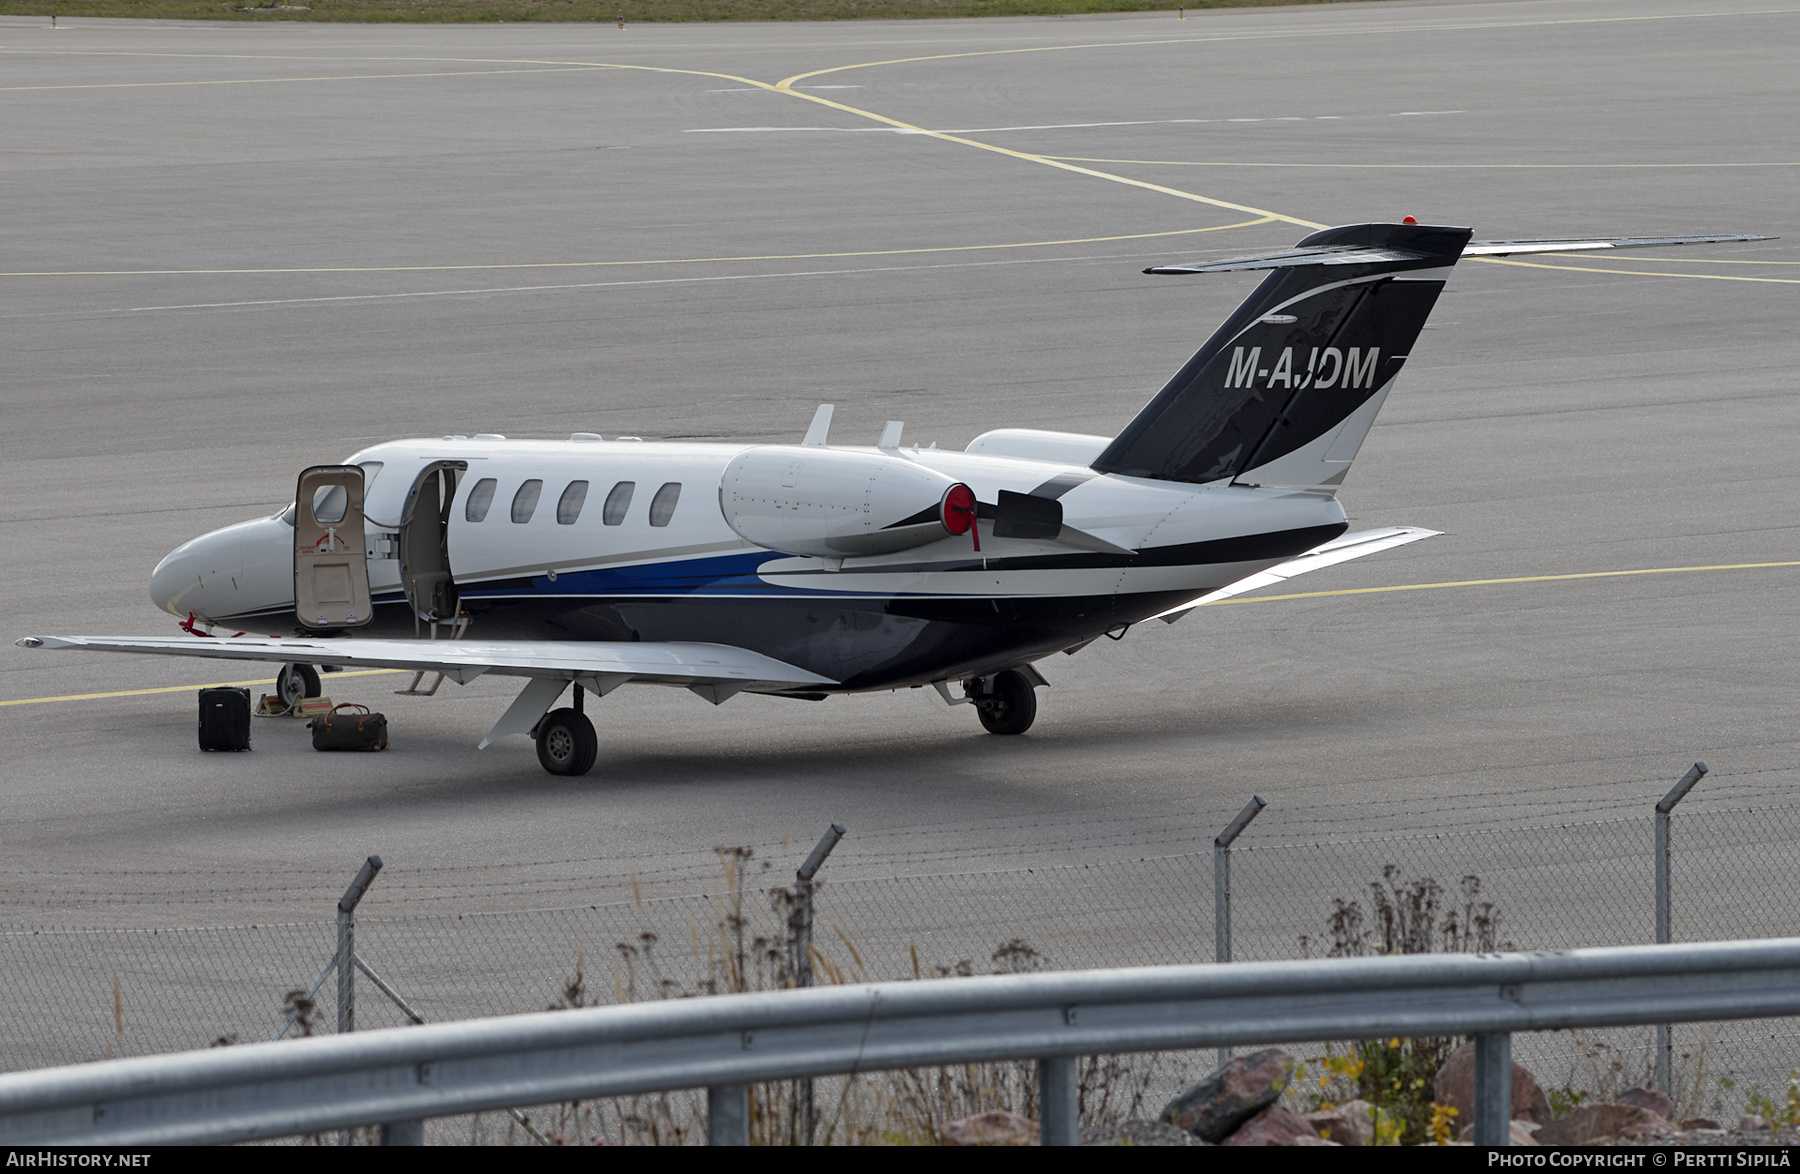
x=640 y=549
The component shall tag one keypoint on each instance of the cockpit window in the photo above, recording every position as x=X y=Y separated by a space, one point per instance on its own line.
x=287 y=515
x=525 y=501
x=662 y=506
x=618 y=502
x=330 y=503
x=369 y=468
x=568 y=507
x=481 y=498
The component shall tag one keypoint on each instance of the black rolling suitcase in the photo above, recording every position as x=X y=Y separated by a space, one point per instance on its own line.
x=224 y=719
x=339 y=730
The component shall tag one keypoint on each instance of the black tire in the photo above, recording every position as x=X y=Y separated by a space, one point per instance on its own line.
x=295 y=682
x=566 y=743
x=1010 y=705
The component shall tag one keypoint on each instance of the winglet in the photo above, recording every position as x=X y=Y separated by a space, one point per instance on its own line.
x=821 y=424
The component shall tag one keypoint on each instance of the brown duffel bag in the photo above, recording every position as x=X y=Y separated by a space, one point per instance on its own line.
x=338 y=730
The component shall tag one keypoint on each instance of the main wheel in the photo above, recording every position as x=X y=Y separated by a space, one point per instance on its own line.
x=296 y=682
x=1010 y=706
x=566 y=743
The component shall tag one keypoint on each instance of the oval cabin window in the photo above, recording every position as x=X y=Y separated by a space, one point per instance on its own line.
x=662 y=506
x=568 y=506
x=481 y=499
x=525 y=501
x=617 y=502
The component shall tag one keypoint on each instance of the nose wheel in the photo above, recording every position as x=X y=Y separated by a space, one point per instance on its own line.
x=566 y=743
x=1010 y=704
x=296 y=682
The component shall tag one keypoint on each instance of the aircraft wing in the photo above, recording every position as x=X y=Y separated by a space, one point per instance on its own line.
x=1339 y=550
x=713 y=671
x=611 y=662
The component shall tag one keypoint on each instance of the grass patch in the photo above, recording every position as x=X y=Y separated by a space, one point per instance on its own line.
x=604 y=11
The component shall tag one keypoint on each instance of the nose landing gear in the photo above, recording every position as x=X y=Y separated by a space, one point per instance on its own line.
x=296 y=682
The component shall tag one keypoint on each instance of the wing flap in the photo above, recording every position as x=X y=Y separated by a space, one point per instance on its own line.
x=667 y=662
x=1338 y=550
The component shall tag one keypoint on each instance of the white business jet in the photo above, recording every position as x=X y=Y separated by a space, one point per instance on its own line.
x=803 y=570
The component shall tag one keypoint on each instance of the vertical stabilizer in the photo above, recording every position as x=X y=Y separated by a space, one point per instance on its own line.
x=1285 y=391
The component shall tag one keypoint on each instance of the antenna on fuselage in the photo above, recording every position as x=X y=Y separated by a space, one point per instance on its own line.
x=821 y=424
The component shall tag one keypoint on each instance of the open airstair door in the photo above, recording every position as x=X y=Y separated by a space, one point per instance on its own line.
x=331 y=569
x=425 y=542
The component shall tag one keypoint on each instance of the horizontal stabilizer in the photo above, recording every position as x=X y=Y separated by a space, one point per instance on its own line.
x=1295 y=257
x=1338 y=550
x=1354 y=254
x=658 y=662
x=1593 y=243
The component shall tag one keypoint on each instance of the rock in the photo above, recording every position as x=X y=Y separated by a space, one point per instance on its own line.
x=1750 y=1122
x=1351 y=1123
x=1603 y=1122
x=1521 y=1133
x=996 y=1128
x=1138 y=1133
x=1231 y=1096
x=1276 y=1125
x=1455 y=1087
x=1648 y=1098
x=1701 y=1123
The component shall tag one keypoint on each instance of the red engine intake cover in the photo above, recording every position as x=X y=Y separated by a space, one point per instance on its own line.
x=959 y=508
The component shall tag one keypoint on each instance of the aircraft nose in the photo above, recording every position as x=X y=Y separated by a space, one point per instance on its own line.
x=199 y=576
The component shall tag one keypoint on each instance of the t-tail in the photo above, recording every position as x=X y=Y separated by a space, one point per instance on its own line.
x=1284 y=393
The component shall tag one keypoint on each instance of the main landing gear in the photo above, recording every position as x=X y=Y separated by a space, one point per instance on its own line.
x=566 y=742
x=296 y=682
x=1006 y=702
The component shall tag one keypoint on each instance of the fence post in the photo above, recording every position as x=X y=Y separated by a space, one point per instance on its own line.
x=1665 y=1040
x=346 y=957
x=1059 y=1102
x=728 y=1114
x=1493 y=1089
x=803 y=968
x=346 y=952
x=1222 y=885
x=403 y=1133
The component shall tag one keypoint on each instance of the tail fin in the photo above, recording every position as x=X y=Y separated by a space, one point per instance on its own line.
x=1285 y=391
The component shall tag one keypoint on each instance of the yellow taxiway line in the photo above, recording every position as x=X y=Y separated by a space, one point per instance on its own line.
x=183 y=688
x=1079 y=240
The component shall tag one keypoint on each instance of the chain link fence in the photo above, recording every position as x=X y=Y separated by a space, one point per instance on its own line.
x=75 y=995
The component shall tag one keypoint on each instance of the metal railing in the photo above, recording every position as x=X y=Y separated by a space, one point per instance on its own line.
x=396 y=1078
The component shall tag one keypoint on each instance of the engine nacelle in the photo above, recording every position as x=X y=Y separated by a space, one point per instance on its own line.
x=829 y=503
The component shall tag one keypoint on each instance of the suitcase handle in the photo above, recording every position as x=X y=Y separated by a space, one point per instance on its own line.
x=347 y=705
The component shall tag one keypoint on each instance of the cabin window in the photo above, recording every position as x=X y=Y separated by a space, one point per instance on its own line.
x=617 y=502
x=525 y=501
x=481 y=499
x=330 y=503
x=662 y=506
x=568 y=506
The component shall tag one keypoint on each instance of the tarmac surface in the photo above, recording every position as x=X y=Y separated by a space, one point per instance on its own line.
x=232 y=251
